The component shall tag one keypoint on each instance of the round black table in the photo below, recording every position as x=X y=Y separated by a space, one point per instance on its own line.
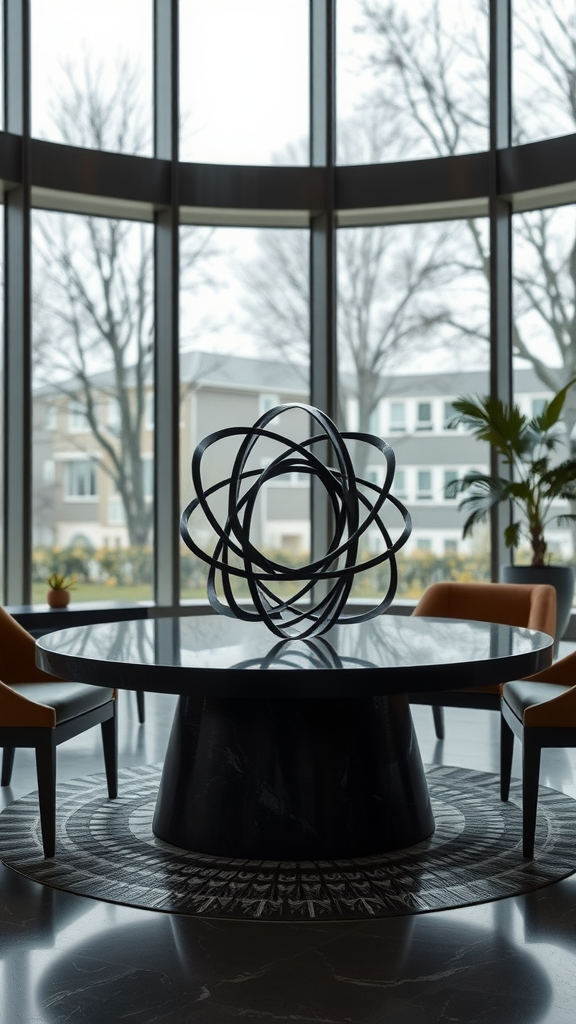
x=293 y=750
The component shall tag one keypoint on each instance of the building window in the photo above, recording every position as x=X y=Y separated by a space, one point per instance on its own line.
x=268 y=402
x=398 y=417
x=450 y=547
x=424 y=484
x=449 y=414
x=50 y=417
x=116 y=515
x=48 y=471
x=424 y=416
x=80 y=480
x=77 y=419
x=399 y=485
x=449 y=476
x=423 y=544
x=113 y=417
x=537 y=406
x=148 y=477
x=149 y=412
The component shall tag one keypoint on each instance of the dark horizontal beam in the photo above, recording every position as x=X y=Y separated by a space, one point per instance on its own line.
x=413 y=181
x=92 y=172
x=537 y=165
x=138 y=179
x=252 y=188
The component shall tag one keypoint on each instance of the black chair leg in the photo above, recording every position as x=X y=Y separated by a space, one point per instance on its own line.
x=46 y=773
x=110 y=744
x=7 y=765
x=506 y=754
x=140 y=703
x=530 y=778
x=438 y=715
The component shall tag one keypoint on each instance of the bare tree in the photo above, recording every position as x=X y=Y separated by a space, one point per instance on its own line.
x=94 y=331
x=94 y=341
x=394 y=292
x=431 y=81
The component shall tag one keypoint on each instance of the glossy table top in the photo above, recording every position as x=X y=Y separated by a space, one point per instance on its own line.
x=225 y=657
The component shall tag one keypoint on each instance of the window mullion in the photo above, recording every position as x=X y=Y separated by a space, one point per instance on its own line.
x=17 y=376
x=167 y=410
x=500 y=243
x=322 y=245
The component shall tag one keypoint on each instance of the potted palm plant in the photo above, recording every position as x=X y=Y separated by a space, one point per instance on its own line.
x=535 y=478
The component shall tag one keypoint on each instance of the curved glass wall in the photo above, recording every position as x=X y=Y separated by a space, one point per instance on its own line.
x=338 y=232
x=545 y=339
x=544 y=69
x=412 y=79
x=244 y=349
x=92 y=73
x=412 y=336
x=93 y=408
x=244 y=81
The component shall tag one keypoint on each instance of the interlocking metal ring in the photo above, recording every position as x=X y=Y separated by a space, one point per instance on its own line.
x=356 y=505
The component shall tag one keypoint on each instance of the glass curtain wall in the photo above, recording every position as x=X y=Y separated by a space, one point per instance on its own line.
x=92 y=73
x=413 y=336
x=244 y=349
x=352 y=249
x=412 y=79
x=93 y=410
x=545 y=341
x=244 y=81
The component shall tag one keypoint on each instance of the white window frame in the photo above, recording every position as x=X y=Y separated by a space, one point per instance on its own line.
x=401 y=426
x=424 y=426
x=77 y=421
x=424 y=494
x=69 y=495
x=267 y=401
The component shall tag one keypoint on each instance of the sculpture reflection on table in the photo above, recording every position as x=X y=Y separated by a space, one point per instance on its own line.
x=356 y=506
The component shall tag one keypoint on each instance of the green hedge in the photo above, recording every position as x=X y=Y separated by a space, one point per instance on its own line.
x=134 y=567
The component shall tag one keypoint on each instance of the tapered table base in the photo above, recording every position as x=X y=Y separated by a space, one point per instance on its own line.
x=293 y=779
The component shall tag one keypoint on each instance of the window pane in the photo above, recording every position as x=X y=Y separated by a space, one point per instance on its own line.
x=93 y=374
x=244 y=89
x=397 y=416
x=419 y=342
x=412 y=79
x=545 y=350
x=544 y=69
x=80 y=480
x=244 y=345
x=92 y=73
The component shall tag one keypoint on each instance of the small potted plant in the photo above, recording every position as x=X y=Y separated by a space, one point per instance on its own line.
x=58 y=595
x=535 y=478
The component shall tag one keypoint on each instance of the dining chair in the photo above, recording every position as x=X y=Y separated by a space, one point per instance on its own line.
x=541 y=711
x=41 y=711
x=512 y=604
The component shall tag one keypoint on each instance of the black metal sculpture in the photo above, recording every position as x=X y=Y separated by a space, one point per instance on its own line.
x=356 y=506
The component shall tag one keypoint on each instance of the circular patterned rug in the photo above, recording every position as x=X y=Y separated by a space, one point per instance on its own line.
x=107 y=850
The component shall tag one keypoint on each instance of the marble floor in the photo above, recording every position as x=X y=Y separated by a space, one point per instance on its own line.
x=71 y=960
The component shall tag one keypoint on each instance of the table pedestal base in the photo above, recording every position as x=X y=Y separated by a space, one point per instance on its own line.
x=293 y=779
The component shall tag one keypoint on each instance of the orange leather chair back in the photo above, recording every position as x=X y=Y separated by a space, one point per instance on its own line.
x=18 y=665
x=513 y=604
x=17 y=660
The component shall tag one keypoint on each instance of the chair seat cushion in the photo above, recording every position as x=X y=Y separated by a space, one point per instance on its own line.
x=520 y=695
x=68 y=699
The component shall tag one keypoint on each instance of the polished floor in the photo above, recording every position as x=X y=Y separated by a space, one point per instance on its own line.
x=71 y=960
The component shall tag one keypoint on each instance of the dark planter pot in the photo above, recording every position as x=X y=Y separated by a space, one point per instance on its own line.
x=559 y=576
